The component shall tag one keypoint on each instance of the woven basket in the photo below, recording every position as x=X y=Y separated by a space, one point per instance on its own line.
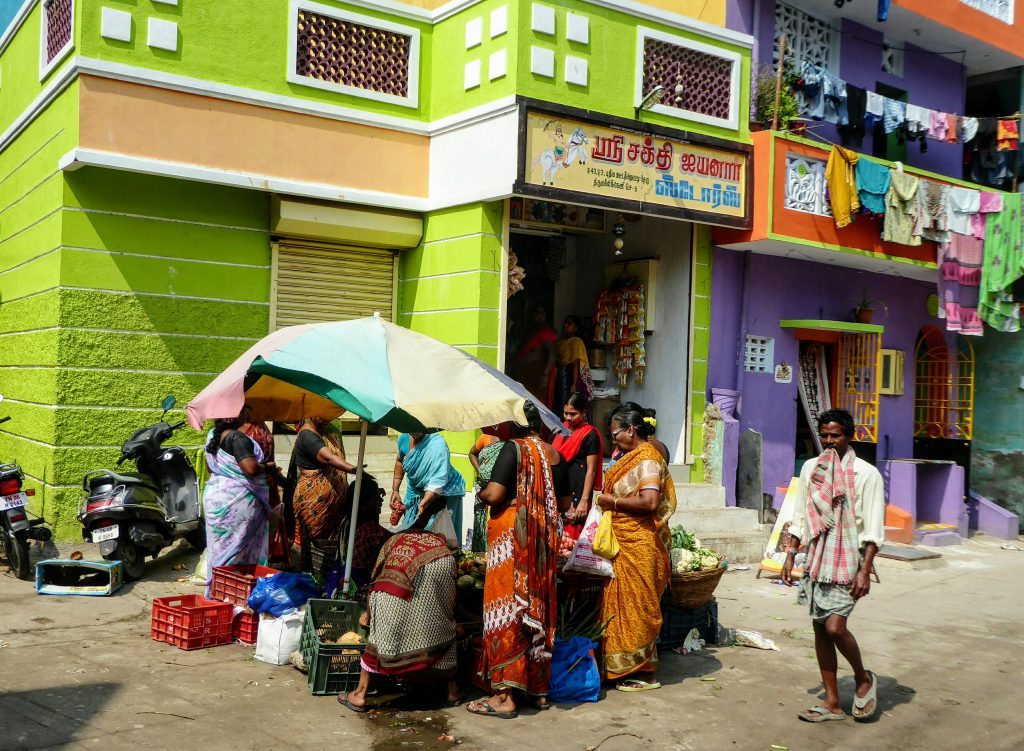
x=694 y=589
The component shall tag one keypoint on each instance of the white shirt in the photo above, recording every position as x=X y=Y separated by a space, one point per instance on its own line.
x=868 y=502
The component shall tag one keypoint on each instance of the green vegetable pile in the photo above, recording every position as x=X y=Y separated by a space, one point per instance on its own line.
x=472 y=568
x=689 y=555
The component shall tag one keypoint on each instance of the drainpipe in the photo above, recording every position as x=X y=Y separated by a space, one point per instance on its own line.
x=741 y=343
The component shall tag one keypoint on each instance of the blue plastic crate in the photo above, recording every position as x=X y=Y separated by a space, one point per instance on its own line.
x=88 y=578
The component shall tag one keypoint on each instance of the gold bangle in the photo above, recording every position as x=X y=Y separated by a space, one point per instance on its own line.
x=615 y=504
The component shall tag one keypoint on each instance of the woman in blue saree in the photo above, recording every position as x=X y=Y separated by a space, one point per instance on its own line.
x=236 y=499
x=425 y=461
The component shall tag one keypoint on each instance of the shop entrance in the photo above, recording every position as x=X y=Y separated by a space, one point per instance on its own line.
x=570 y=267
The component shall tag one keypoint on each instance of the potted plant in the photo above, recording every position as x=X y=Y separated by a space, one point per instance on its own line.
x=764 y=98
x=864 y=309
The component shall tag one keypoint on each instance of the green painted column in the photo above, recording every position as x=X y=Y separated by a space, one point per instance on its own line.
x=700 y=324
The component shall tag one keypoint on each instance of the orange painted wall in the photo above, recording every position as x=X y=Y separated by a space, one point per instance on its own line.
x=962 y=17
x=148 y=122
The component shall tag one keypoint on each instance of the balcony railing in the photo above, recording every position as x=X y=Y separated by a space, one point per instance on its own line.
x=1001 y=9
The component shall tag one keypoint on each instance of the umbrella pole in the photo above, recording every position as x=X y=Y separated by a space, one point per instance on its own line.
x=354 y=513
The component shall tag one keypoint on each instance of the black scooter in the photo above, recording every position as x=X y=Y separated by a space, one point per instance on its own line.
x=140 y=513
x=17 y=526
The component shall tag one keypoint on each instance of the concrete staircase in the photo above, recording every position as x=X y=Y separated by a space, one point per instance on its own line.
x=734 y=532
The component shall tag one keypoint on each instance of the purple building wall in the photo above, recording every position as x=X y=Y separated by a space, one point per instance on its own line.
x=930 y=80
x=777 y=289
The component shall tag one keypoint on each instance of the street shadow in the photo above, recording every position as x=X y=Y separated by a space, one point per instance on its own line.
x=51 y=717
x=674 y=668
x=891 y=694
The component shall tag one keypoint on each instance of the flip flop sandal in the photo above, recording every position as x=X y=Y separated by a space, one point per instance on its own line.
x=489 y=711
x=343 y=700
x=861 y=702
x=821 y=714
x=637 y=685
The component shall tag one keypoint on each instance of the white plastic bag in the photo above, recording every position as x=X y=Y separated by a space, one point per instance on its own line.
x=279 y=637
x=443 y=525
x=583 y=558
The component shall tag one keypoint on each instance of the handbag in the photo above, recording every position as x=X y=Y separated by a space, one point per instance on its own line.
x=605 y=544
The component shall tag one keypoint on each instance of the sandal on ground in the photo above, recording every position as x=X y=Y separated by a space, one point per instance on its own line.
x=484 y=709
x=860 y=703
x=634 y=684
x=343 y=700
x=820 y=714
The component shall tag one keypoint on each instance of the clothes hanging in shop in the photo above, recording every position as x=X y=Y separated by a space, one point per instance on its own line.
x=872 y=185
x=840 y=174
x=901 y=208
x=960 y=264
x=962 y=202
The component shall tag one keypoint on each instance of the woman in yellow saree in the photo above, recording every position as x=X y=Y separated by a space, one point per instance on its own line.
x=641 y=496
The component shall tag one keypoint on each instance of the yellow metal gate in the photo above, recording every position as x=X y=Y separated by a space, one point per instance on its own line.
x=858 y=357
x=314 y=282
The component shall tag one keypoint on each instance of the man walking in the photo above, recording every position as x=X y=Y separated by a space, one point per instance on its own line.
x=840 y=514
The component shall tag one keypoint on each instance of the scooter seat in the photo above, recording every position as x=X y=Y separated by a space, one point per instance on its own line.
x=113 y=478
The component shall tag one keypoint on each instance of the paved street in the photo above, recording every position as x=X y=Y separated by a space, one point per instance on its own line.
x=945 y=640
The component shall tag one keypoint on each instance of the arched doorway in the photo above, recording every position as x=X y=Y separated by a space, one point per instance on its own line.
x=943 y=397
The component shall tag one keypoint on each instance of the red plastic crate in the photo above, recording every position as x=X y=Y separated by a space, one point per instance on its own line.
x=191 y=622
x=245 y=628
x=234 y=584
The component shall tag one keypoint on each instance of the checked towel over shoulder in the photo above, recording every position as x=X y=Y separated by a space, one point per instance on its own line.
x=833 y=556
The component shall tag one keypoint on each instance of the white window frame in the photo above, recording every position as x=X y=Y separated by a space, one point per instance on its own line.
x=983 y=7
x=732 y=122
x=45 y=68
x=410 y=100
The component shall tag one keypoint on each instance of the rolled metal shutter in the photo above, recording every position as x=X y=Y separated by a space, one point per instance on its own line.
x=314 y=282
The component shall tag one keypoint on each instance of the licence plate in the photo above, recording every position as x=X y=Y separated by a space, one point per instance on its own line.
x=14 y=500
x=106 y=533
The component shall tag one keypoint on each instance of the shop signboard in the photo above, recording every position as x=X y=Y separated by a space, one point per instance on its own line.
x=566 y=155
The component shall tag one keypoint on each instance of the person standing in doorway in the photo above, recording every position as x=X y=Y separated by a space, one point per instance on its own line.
x=840 y=514
x=537 y=358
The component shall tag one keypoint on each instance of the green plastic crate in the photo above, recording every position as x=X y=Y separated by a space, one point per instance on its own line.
x=333 y=668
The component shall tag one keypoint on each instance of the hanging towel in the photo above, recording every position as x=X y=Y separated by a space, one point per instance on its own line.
x=970 y=126
x=872 y=185
x=1003 y=265
x=894 y=114
x=951 y=124
x=856 y=104
x=933 y=220
x=960 y=265
x=961 y=204
x=901 y=208
x=918 y=117
x=938 y=124
x=874 y=107
x=1007 y=135
x=840 y=172
x=989 y=203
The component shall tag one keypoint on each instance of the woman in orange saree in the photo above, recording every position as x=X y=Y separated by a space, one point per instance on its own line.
x=519 y=592
x=641 y=496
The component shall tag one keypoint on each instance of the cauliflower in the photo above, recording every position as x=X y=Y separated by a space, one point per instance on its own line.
x=708 y=561
x=683 y=560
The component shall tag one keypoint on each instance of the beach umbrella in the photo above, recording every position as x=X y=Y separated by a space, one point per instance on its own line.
x=375 y=370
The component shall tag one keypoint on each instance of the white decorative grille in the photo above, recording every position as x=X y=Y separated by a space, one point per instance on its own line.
x=805 y=185
x=808 y=39
x=892 y=57
x=759 y=354
x=1001 y=9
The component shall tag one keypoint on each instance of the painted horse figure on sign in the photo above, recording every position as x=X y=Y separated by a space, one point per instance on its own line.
x=562 y=154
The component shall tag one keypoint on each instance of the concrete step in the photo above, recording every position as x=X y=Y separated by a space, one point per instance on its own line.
x=692 y=495
x=703 y=521
x=938 y=538
x=738 y=547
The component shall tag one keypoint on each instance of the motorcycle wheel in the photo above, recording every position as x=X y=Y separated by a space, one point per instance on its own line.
x=16 y=551
x=132 y=557
x=197 y=538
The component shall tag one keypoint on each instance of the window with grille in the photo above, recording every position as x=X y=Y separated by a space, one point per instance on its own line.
x=353 y=54
x=56 y=33
x=709 y=78
x=808 y=39
x=805 y=185
x=892 y=57
x=759 y=354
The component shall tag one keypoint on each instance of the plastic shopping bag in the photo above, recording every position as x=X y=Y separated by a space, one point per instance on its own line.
x=574 y=673
x=605 y=544
x=443 y=525
x=281 y=593
x=583 y=558
x=277 y=638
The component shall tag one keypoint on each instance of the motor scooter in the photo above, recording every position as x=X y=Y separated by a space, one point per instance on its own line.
x=136 y=514
x=17 y=524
